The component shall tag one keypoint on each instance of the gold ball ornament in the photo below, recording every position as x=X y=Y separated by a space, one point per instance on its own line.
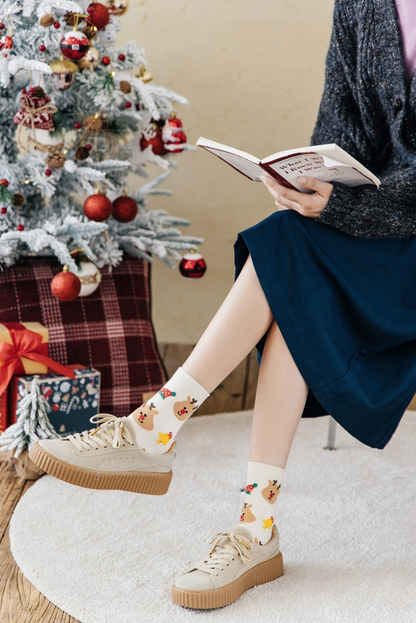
x=89 y=276
x=118 y=7
x=63 y=73
x=91 y=60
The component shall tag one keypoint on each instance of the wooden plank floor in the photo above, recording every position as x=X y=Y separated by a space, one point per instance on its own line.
x=20 y=602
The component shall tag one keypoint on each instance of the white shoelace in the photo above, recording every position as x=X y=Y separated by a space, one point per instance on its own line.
x=111 y=430
x=226 y=547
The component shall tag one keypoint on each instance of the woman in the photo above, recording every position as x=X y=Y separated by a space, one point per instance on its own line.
x=324 y=288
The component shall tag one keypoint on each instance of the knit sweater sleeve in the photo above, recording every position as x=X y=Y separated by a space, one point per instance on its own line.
x=363 y=211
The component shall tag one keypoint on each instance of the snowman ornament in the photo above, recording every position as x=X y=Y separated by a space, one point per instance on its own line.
x=108 y=35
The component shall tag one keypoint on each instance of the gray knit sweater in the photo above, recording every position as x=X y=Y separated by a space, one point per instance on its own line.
x=369 y=109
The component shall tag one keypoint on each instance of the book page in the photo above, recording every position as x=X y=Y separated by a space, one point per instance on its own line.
x=313 y=165
x=247 y=167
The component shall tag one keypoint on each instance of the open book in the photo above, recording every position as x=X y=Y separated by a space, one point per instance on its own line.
x=328 y=163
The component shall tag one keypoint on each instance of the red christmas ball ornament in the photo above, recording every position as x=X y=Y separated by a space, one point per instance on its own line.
x=106 y=60
x=57 y=25
x=173 y=135
x=98 y=208
x=65 y=286
x=24 y=91
x=74 y=45
x=20 y=227
x=127 y=104
x=121 y=57
x=98 y=15
x=48 y=172
x=192 y=266
x=4 y=183
x=124 y=209
x=153 y=138
x=77 y=125
x=3 y=210
x=2 y=26
x=88 y=146
x=42 y=48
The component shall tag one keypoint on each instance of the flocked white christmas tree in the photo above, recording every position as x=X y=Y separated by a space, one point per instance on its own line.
x=32 y=423
x=77 y=116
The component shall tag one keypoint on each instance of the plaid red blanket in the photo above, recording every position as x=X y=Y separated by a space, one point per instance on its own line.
x=110 y=330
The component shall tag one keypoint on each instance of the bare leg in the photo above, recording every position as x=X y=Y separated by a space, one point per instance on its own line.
x=280 y=399
x=242 y=320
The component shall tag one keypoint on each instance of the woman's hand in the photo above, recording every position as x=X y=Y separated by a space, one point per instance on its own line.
x=310 y=205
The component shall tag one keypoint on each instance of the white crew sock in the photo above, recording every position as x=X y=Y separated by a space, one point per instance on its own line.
x=158 y=421
x=261 y=492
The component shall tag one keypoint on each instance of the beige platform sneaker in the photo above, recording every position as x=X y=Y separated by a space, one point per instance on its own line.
x=234 y=564
x=107 y=457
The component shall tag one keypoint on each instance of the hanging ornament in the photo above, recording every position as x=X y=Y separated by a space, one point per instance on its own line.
x=98 y=207
x=98 y=15
x=35 y=111
x=192 y=265
x=63 y=74
x=152 y=135
x=91 y=60
x=118 y=7
x=89 y=276
x=144 y=75
x=65 y=286
x=124 y=209
x=108 y=34
x=173 y=135
x=74 y=45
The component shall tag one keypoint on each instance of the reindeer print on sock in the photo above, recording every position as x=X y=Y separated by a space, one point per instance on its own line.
x=144 y=416
x=246 y=514
x=271 y=492
x=185 y=408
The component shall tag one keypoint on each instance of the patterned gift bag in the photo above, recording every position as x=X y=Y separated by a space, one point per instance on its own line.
x=110 y=330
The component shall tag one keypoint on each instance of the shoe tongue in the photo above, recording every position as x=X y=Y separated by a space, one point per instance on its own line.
x=242 y=532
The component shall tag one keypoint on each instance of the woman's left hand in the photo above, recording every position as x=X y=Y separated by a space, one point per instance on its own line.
x=310 y=205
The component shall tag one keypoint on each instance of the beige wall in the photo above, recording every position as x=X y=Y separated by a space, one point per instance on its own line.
x=253 y=73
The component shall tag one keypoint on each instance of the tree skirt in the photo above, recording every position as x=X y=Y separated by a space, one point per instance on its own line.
x=347 y=521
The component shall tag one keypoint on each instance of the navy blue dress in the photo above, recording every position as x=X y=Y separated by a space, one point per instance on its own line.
x=346 y=307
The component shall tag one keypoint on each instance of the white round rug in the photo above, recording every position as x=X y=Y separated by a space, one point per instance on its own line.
x=347 y=521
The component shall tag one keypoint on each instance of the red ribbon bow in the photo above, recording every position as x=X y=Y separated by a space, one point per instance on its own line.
x=27 y=344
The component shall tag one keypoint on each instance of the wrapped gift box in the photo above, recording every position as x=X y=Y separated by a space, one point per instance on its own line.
x=30 y=366
x=72 y=401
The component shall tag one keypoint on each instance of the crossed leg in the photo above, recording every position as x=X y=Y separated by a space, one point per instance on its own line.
x=242 y=320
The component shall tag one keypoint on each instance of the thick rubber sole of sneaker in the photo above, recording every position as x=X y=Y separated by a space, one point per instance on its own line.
x=219 y=597
x=150 y=483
